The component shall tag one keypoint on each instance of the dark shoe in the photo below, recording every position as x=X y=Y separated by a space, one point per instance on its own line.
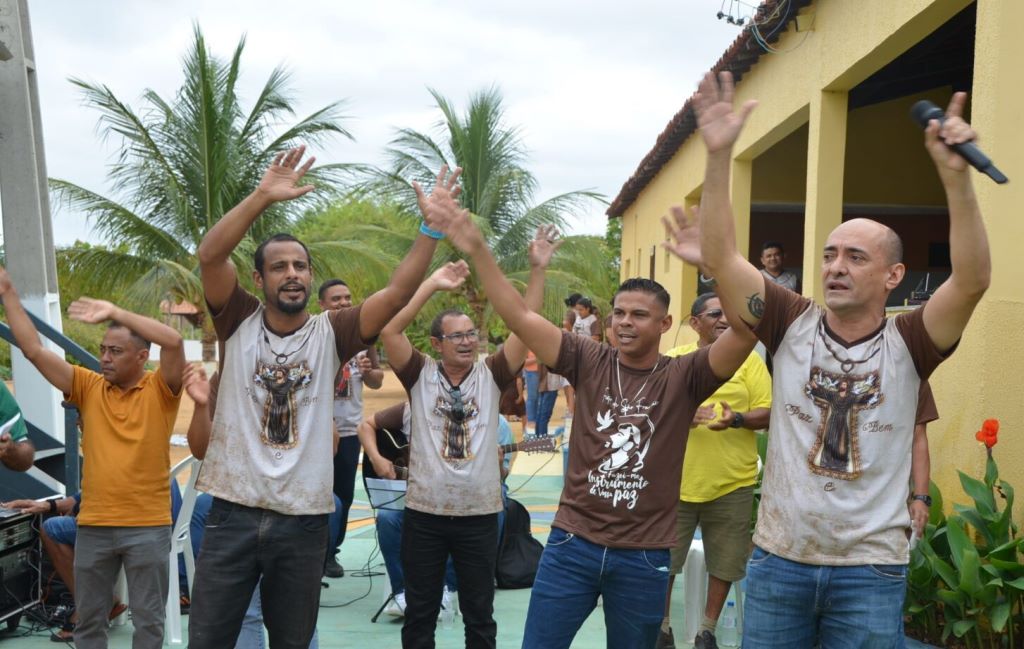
x=186 y=604
x=333 y=569
x=705 y=640
x=666 y=640
x=66 y=634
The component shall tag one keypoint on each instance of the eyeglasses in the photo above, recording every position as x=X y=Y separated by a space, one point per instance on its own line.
x=714 y=314
x=462 y=336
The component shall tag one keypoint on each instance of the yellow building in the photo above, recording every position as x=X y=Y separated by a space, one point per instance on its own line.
x=831 y=139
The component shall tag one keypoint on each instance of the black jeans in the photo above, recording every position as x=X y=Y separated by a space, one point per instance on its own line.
x=240 y=544
x=472 y=542
x=345 y=463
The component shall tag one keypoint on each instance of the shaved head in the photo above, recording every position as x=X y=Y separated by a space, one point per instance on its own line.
x=889 y=243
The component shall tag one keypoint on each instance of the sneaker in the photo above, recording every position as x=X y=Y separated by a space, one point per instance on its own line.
x=666 y=640
x=396 y=607
x=446 y=602
x=705 y=640
x=333 y=569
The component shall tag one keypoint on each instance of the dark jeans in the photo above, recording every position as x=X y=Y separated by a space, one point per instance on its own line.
x=571 y=575
x=239 y=545
x=345 y=462
x=472 y=541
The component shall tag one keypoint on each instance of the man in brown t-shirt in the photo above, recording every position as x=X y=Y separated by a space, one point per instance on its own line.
x=846 y=385
x=615 y=522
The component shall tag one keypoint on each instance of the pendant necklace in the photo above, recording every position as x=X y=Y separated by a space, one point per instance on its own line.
x=618 y=379
x=279 y=357
x=847 y=364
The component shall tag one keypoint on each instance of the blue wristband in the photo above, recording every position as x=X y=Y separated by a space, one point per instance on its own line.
x=433 y=234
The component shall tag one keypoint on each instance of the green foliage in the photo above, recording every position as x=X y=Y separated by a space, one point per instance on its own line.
x=183 y=163
x=966 y=575
x=498 y=190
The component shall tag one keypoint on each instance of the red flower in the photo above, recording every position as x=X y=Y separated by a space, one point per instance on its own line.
x=989 y=433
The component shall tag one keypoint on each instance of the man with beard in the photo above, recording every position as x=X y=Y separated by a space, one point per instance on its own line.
x=269 y=461
x=454 y=492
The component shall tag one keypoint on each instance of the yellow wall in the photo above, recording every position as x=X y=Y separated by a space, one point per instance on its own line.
x=836 y=158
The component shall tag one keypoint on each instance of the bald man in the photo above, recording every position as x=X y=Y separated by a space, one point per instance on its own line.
x=830 y=557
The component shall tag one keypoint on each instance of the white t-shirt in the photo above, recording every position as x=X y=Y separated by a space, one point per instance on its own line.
x=348 y=394
x=271 y=445
x=453 y=437
x=588 y=326
x=839 y=449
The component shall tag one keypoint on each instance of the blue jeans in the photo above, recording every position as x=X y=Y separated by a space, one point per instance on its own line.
x=574 y=571
x=389 y=535
x=530 y=379
x=796 y=605
x=545 y=406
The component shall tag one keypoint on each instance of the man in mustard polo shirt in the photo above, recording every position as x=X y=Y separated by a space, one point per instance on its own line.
x=719 y=472
x=127 y=417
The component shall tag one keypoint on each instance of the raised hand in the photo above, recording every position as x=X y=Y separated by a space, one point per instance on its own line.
x=719 y=123
x=450 y=276
x=90 y=311
x=196 y=384
x=542 y=248
x=442 y=204
x=364 y=362
x=280 y=181
x=953 y=130
x=5 y=281
x=683 y=233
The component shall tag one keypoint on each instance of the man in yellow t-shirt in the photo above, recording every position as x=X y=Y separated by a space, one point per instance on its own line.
x=127 y=416
x=719 y=472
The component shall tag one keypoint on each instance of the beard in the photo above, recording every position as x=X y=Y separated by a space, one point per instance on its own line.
x=290 y=308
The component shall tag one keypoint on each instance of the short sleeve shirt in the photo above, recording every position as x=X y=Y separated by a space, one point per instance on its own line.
x=842 y=424
x=453 y=436
x=720 y=461
x=11 y=412
x=126 y=436
x=271 y=445
x=348 y=393
x=626 y=456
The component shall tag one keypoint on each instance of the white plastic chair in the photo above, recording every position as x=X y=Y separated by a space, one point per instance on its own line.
x=181 y=543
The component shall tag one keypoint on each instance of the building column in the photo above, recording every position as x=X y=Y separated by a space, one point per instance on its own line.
x=26 y=210
x=826 y=154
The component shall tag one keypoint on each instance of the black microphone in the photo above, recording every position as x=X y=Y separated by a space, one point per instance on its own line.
x=924 y=111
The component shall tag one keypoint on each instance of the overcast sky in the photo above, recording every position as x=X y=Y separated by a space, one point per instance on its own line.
x=590 y=83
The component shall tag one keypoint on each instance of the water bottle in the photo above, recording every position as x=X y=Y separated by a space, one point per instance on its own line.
x=727 y=635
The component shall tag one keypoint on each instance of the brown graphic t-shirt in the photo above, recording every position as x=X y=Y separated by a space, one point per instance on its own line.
x=626 y=455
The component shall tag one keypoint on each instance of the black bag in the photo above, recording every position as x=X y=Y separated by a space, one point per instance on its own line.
x=519 y=553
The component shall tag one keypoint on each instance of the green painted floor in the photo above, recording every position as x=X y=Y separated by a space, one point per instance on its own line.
x=347 y=604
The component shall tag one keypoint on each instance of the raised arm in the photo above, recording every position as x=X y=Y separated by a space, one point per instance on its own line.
x=172 y=347
x=279 y=183
x=544 y=338
x=373 y=375
x=446 y=278
x=382 y=306
x=947 y=311
x=54 y=368
x=740 y=285
x=198 y=388
x=542 y=248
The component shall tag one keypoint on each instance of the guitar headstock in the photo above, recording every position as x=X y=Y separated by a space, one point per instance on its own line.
x=537 y=445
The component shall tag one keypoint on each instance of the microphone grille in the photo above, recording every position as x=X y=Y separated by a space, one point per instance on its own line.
x=923 y=111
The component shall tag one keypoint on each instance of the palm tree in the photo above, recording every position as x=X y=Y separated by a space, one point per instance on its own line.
x=498 y=191
x=182 y=164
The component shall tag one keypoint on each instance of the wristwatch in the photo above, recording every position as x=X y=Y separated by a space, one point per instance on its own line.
x=737 y=421
x=925 y=498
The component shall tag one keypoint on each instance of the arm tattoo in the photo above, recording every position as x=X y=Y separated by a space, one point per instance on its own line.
x=755 y=304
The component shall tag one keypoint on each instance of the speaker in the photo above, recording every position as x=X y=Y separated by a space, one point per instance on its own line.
x=19 y=565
